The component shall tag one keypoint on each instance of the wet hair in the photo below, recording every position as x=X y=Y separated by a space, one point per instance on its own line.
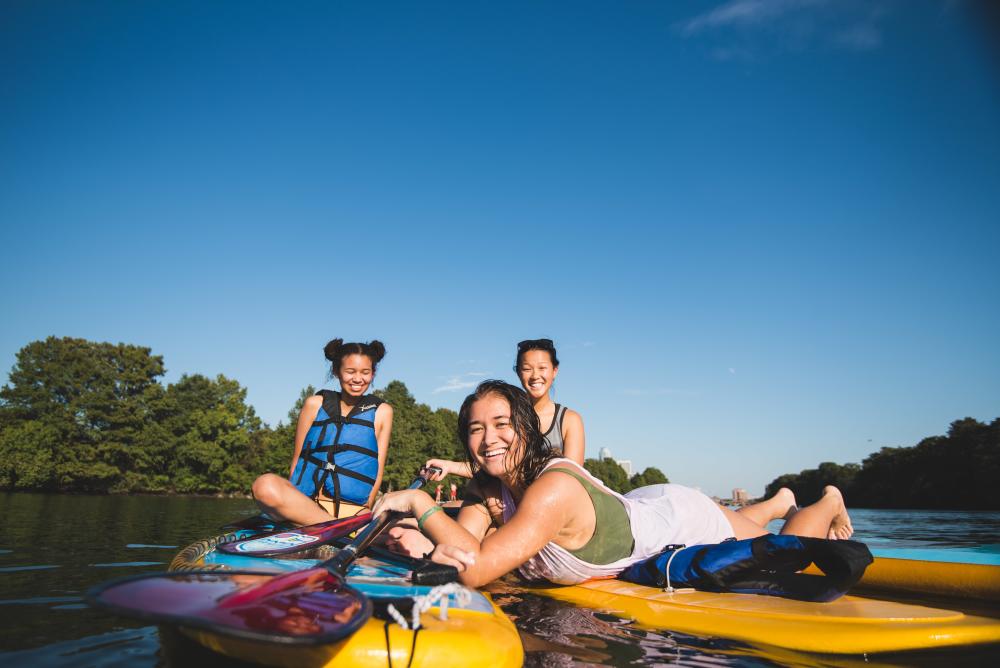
x=523 y=419
x=535 y=344
x=336 y=350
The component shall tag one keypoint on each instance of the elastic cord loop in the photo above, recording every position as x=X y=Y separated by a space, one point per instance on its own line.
x=423 y=518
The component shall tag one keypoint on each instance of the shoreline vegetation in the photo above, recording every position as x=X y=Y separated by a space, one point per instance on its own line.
x=92 y=418
x=957 y=471
x=83 y=417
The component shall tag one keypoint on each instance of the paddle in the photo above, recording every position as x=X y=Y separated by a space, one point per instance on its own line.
x=308 y=607
x=295 y=540
x=290 y=541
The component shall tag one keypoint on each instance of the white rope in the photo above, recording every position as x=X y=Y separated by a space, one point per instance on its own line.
x=666 y=571
x=440 y=595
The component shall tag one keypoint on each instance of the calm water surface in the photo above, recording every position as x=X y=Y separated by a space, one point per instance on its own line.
x=53 y=547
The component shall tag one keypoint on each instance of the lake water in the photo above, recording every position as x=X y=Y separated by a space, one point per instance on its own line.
x=54 y=547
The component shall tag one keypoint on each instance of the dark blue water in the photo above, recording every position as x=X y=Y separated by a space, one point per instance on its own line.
x=54 y=547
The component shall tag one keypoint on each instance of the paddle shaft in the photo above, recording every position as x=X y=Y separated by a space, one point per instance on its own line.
x=339 y=562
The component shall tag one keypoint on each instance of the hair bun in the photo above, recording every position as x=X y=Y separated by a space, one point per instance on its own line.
x=332 y=348
x=376 y=350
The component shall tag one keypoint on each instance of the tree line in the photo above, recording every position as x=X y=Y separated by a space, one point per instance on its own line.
x=80 y=416
x=614 y=476
x=957 y=471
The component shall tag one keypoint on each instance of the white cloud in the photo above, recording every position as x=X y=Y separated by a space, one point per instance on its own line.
x=464 y=382
x=657 y=391
x=732 y=370
x=749 y=29
x=744 y=13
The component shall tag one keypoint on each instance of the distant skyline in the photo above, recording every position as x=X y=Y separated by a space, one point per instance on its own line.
x=762 y=233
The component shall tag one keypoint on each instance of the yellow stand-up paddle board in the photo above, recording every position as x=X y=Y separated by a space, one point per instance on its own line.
x=849 y=625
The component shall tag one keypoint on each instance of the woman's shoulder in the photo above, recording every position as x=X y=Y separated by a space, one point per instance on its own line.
x=312 y=403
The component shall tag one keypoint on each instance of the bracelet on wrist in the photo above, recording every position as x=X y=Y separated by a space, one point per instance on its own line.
x=427 y=513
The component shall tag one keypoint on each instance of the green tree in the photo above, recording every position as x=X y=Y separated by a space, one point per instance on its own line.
x=212 y=428
x=92 y=401
x=959 y=471
x=417 y=435
x=610 y=473
x=649 y=476
x=272 y=451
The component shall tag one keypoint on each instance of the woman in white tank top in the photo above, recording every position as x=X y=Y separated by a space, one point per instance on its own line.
x=547 y=520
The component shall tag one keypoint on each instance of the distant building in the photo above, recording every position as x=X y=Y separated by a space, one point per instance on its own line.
x=740 y=496
x=625 y=464
x=603 y=454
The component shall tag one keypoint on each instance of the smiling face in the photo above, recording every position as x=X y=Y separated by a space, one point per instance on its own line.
x=492 y=440
x=356 y=374
x=537 y=373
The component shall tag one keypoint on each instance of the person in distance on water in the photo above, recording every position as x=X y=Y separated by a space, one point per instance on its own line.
x=559 y=523
x=340 y=444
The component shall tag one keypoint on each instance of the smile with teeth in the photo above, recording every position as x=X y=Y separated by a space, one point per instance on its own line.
x=489 y=454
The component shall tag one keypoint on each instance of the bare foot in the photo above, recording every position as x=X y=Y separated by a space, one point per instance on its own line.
x=786 y=498
x=840 y=526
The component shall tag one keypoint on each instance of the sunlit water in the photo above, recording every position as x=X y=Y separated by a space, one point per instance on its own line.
x=54 y=547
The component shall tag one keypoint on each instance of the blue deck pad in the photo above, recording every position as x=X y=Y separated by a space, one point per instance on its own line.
x=983 y=554
x=375 y=577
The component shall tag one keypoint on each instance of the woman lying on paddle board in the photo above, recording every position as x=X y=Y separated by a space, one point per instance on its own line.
x=340 y=444
x=537 y=365
x=559 y=523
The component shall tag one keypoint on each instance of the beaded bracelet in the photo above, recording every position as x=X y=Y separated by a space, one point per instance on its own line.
x=427 y=513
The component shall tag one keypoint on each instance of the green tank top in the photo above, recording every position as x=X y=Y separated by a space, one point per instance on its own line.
x=612 y=539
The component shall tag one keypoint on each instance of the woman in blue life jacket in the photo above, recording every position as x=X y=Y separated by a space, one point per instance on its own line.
x=537 y=366
x=341 y=443
x=557 y=522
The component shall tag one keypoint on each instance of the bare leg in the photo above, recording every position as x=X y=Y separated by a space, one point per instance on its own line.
x=279 y=498
x=827 y=518
x=781 y=506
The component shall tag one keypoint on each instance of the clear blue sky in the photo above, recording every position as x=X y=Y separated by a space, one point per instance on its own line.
x=763 y=234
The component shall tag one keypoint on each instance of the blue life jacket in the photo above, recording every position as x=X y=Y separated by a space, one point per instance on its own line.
x=339 y=454
x=766 y=565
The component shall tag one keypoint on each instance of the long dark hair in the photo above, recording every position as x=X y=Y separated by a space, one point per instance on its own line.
x=535 y=344
x=523 y=419
x=336 y=350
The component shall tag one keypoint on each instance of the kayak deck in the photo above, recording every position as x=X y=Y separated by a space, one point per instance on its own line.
x=474 y=633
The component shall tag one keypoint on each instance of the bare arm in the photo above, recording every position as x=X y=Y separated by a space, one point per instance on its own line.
x=383 y=430
x=447 y=466
x=307 y=416
x=574 y=441
x=553 y=508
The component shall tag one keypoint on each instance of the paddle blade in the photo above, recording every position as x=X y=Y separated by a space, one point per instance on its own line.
x=313 y=610
x=296 y=540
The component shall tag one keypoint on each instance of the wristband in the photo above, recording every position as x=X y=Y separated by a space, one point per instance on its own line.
x=427 y=513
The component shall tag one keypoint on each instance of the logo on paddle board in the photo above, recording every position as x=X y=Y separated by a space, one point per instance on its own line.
x=278 y=541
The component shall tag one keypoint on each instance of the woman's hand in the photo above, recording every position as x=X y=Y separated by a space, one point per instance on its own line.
x=402 y=501
x=437 y=469
x=409 y=541
x=453 y=556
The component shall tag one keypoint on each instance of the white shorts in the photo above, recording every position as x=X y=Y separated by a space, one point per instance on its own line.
x=671 y=514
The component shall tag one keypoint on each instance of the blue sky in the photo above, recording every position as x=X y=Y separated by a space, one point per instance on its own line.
x=763 y=234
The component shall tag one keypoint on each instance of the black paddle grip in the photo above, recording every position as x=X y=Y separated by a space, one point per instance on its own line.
x=433 y=574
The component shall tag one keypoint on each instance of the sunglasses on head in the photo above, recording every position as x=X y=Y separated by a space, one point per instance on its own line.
x=531 y=344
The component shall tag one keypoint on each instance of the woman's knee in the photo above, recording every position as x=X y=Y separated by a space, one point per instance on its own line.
x=269 y=488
